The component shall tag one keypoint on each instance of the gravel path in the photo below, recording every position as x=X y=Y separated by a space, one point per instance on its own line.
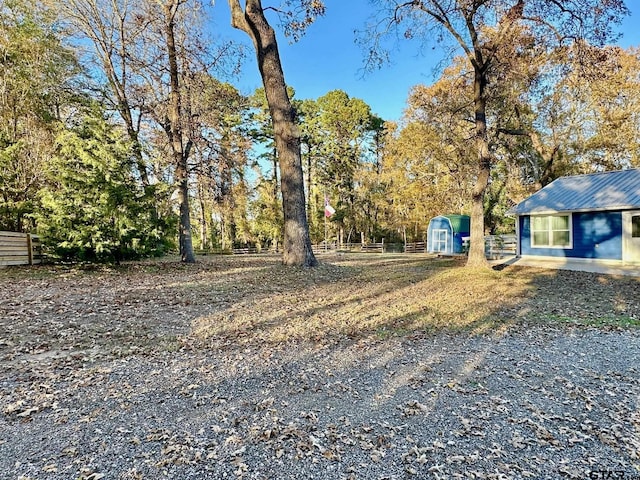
x=543 y=403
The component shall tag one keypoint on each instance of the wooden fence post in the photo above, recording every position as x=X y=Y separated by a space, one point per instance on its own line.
x=30 y=248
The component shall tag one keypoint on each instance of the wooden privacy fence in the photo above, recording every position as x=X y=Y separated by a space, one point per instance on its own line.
x=20 y=249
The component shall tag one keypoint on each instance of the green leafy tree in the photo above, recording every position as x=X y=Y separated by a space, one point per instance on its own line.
x=338 y=135
x=265 y=207
x=266 y=214
x=343 y=130
x=307 y=113
x=91 y=207
x=219 y=160
x=113 y=31
x=37 y=82
x=147 y=52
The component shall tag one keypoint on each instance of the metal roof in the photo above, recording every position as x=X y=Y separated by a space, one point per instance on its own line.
x=619 y=190
x=459 y=223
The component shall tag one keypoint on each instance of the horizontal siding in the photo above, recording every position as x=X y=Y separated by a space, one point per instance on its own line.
x=14 y=249
x=596 y=235
x=13 y=240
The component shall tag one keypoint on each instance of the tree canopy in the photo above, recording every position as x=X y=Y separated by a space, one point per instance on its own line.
x=124 y=135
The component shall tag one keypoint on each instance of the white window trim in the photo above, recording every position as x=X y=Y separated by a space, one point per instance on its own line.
x=557 y=247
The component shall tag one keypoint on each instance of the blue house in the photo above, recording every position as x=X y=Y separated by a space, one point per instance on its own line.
x=446 y=233
x=595 y=217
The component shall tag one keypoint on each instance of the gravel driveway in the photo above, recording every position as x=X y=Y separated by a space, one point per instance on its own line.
x=545 y=403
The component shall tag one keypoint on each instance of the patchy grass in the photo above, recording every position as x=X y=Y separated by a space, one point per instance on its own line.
x=403 y=295
x=238 y=300
x=372 y=296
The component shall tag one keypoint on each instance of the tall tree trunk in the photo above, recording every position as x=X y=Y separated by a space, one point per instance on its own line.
x=101 y=25
x=227 y=199
x=125 y=113
x=309 y=211
x=276 y=184
x=297 y=242
x=476 y=250
x=175 y=131
x=275 y=195
x=203 y=216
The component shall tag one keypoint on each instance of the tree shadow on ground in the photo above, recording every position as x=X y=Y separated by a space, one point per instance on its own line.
x=398 y=359
x=233 y=302
x=376 y=295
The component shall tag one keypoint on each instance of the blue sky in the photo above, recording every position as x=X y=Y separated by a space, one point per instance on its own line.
x=327 y=58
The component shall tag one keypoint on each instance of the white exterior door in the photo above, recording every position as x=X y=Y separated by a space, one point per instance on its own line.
x=631 y=237
x=440 y=240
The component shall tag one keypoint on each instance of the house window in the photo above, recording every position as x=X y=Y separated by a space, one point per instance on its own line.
x=635 y=226
x=551 y=231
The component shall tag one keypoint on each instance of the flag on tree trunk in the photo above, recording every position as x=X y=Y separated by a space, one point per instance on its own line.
x=328 y=209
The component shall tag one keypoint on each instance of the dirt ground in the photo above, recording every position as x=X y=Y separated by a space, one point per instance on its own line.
x=370 y=366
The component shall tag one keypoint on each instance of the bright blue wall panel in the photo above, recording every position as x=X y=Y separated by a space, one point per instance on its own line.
x=596 y=235
x=458 y=243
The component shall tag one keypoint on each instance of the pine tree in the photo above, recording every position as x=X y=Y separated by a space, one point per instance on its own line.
x=91 y=207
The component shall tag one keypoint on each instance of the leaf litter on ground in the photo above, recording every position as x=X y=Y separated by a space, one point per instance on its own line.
x=370 y=366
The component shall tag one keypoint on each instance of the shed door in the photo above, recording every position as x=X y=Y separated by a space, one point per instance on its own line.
x=439 y=240
x=631 y=237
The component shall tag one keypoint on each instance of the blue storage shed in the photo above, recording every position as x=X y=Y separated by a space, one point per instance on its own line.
x=594 y=217
x=446 y=233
